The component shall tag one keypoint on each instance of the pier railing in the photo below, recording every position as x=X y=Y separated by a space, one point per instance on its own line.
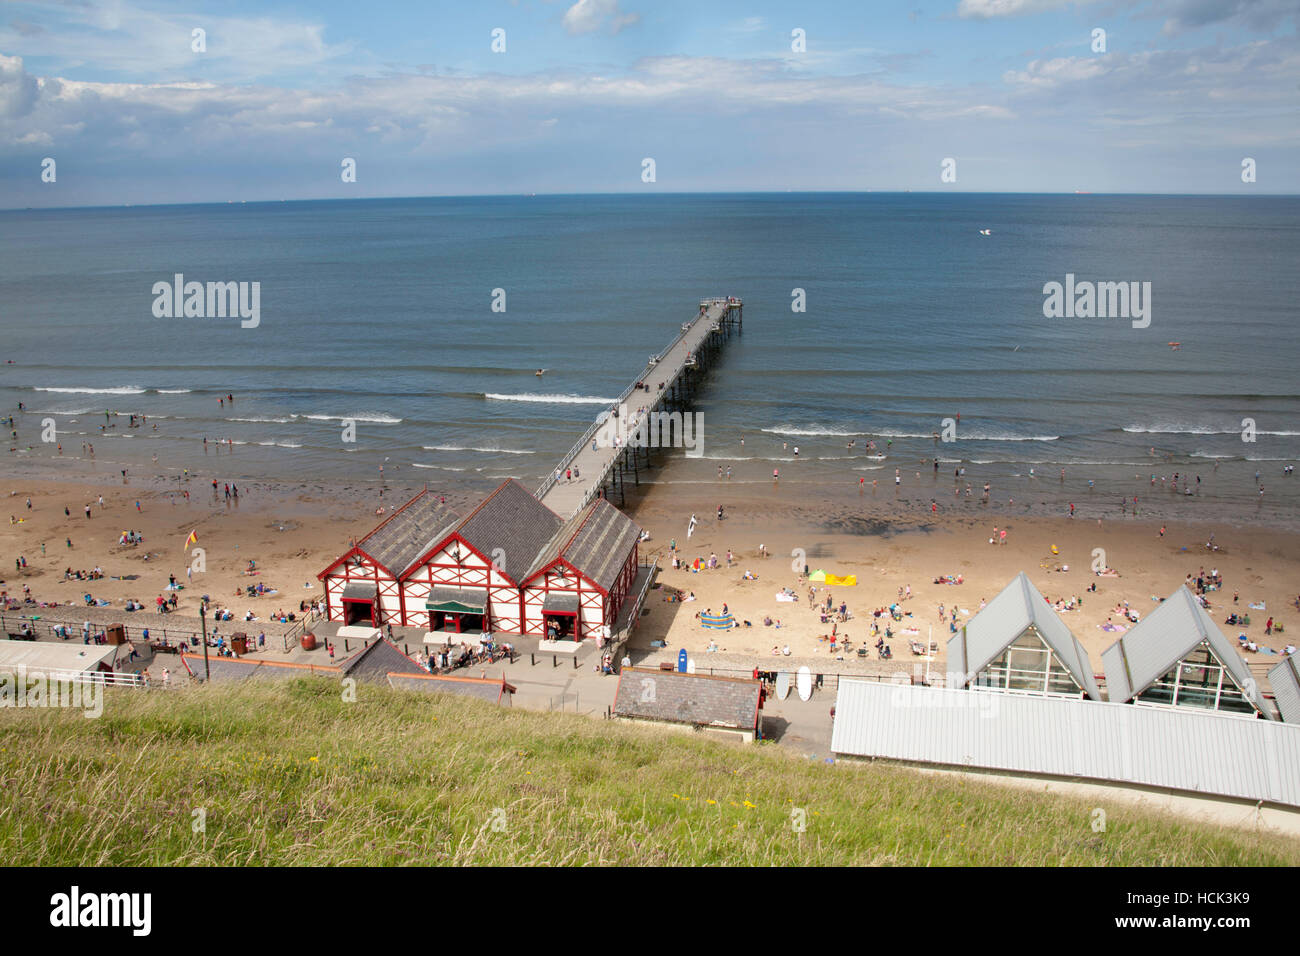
x=687 y=327
x=620 y=638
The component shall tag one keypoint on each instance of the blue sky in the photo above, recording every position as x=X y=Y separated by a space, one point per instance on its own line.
x=584 y=91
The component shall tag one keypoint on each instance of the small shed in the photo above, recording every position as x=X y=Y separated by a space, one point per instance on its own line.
x=728 y=706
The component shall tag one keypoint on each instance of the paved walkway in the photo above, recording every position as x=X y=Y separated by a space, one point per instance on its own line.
x=567 y=497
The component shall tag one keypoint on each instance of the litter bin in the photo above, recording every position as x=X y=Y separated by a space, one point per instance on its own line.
x=239 y=643
x=309 y=642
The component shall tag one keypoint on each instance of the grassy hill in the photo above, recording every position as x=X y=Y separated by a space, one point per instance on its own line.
x=290 y=774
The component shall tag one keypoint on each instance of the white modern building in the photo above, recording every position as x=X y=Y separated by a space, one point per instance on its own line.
x=1018 y=644
x=1177 y=657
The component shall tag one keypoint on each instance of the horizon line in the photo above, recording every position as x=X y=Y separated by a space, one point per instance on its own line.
x=650 y=193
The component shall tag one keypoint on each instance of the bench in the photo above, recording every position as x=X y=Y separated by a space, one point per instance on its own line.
x=159 y=648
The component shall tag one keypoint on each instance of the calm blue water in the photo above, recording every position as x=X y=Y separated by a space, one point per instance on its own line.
x=380 y=311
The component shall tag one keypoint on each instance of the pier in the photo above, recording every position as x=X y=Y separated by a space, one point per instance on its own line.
x=671 y=380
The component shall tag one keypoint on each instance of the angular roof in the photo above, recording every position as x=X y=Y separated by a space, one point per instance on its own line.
x=1164 y=637
x=1284 y=678
x=494 y=690
x=596 y=541
x=696 y=699
x=513 y=522
x=1003 y=620
x=405 y=535
x=377 y=660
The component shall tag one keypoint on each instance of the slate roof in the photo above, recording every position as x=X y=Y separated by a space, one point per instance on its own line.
x=360 y=591
x=560 y=601
x=493 y=690
x=377 y=660
x=512 y=520
x=1164 y=637
x=1003 y=620
x=227 y=669
x=596 y=541
x=406 y=534
x=696 y=699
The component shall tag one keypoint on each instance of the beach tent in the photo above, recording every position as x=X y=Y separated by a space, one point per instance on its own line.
x=818 y=575
x=848 y=581
x=721 y=622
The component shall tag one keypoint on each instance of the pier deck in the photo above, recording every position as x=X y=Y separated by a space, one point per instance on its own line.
x=668 y=377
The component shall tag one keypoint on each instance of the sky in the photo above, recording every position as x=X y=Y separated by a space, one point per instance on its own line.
x=104 y=103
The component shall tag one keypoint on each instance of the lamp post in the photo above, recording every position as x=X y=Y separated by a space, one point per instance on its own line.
x=203 y=623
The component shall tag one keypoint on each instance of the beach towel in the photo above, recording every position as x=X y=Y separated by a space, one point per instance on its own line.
x=721 y=622
x=848 y=581
x=1258 y=607
x=787 y=598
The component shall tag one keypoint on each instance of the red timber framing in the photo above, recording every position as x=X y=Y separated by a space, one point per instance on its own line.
x=358 y=568
x=510 y=605
x=594 y=606
x=455 y=563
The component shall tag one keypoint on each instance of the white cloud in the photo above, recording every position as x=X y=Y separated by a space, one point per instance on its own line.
x=588 y=16
x=991 y=9
x=130 y=39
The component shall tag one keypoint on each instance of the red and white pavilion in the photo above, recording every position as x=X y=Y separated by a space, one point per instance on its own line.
x=510 y=565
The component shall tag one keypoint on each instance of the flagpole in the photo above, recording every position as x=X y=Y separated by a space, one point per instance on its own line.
x=203 y=623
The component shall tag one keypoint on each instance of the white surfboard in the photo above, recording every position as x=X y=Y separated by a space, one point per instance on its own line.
x=690 y=665
x=803 y=681
x=783 y=685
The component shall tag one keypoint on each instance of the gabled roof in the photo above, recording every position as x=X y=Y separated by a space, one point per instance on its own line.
x=404 y=536
x=1003 y=620
x=696 y=699
x=596 y=542
x=1285 y=681
x=1164 y=637
x=512 y=523
x=377 y=660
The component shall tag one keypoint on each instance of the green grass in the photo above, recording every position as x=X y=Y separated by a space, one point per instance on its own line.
x=290 y=774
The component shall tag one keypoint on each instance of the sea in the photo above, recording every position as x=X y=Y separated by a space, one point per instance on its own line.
x=407 y=334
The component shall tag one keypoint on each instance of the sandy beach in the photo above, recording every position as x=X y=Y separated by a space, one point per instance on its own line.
x=292 y=532
x=891 y=547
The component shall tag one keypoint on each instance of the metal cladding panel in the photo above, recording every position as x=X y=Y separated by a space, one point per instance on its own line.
x=999 y=623
x=1285 y=681
x=1201 y=752
x=957 y=657
x=1112 y=665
